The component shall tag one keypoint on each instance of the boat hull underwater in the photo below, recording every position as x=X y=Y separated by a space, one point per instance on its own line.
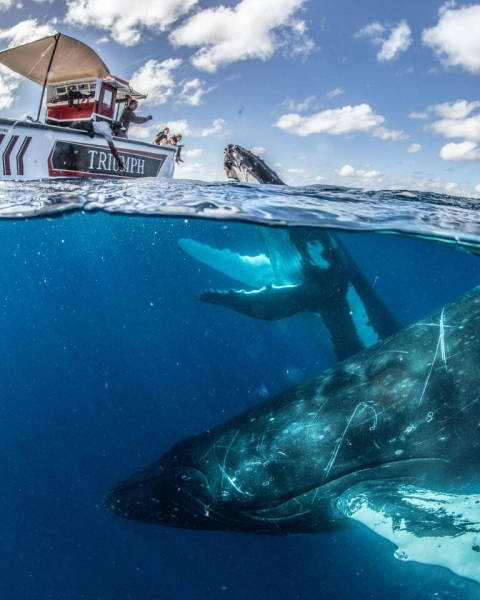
x=32 y=151
x=388 y=438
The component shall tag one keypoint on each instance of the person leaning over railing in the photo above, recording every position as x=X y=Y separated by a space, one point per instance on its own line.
x=161 y=137
x=174 y=141
x=128 y=116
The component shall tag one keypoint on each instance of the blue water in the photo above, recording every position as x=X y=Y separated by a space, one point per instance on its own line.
x=108 y=358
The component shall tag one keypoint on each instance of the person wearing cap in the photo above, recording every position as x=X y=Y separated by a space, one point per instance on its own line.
x=128 y=116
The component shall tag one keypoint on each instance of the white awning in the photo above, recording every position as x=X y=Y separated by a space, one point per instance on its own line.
x=72 y=60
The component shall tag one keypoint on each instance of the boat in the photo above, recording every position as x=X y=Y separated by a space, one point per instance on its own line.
x=77 y=87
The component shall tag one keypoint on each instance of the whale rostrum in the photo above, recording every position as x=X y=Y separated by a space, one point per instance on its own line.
x=388 y=438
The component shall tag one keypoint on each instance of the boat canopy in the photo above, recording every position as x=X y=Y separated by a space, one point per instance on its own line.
x=58 y=58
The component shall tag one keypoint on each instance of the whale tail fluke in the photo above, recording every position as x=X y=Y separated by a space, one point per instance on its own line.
x=426 y=526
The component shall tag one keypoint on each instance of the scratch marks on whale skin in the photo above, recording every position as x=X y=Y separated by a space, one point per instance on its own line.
x=222 y=464
x=360 y=407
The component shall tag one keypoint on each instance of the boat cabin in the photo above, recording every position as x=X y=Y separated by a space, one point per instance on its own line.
x=77 y=82
x=80 y=100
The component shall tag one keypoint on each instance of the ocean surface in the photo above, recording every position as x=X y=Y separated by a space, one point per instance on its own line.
x=108 y=358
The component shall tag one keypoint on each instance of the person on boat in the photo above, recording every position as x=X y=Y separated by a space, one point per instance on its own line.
x=128 y=116
x=161 y=137
x=174 y=141
x=107 y=131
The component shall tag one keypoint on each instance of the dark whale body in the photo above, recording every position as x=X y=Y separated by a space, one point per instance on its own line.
x=389 y=438
x=305 y=270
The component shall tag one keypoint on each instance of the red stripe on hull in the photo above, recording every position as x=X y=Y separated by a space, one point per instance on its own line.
x=6 y=155
x=21 y=154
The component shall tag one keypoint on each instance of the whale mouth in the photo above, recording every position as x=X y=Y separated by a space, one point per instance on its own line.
x=179 y=497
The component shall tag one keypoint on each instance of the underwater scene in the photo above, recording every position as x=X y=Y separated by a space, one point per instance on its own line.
x=224 y=390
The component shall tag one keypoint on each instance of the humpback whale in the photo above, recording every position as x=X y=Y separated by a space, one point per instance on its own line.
x=305 y=270
x=389 y=439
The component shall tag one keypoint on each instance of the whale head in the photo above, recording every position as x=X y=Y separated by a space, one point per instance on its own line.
x=242 y=165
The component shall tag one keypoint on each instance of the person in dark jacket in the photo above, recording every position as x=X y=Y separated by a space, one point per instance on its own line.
x=128 y=116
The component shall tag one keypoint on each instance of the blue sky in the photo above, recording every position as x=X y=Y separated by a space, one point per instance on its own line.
x=378 y=94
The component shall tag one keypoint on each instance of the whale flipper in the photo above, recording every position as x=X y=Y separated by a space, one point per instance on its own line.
x=304 y=270
x=251 y=270
x=427 y=526
x=272 y=303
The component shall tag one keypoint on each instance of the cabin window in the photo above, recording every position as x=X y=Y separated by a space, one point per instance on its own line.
x=107 y=99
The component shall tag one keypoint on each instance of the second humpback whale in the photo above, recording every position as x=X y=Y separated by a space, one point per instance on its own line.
x=388 y=438
x=304 y=270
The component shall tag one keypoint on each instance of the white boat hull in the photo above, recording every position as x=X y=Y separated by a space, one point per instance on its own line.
x=30 y=151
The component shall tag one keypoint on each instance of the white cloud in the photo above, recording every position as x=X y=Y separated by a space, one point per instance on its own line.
x=178 y=126
x=455 y=39
x=295 y=170
x=477 y=188
x=124 y=20
x=468 y=129
x=454 y=110
x=156 y=78
x=334 y=93
x=458 y=122
x=6 y=4
x=9 y=82
x=27 y=31
x=389 y=134
x=414 y=148
x=192 y=92
x=398 y=41
x=339 y=121
x=218 y=128
x=349 y=171
x=465 y=151
x=259 y=150
x=373 y=30
x=251 y=29
x=298 y=106
x=193 y=153
x=141 y=132
x=188 y=169
x=418 y=115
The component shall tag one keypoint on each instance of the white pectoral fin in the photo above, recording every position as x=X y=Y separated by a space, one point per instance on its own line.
x=255 y=271
x=427 y=526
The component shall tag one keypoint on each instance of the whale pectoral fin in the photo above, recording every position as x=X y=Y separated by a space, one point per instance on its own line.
x=250 y=270
x=427 y=526
x=270 y=303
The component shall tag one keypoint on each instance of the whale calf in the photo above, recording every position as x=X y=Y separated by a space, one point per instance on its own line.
x=304 y=270
x=388 y=438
